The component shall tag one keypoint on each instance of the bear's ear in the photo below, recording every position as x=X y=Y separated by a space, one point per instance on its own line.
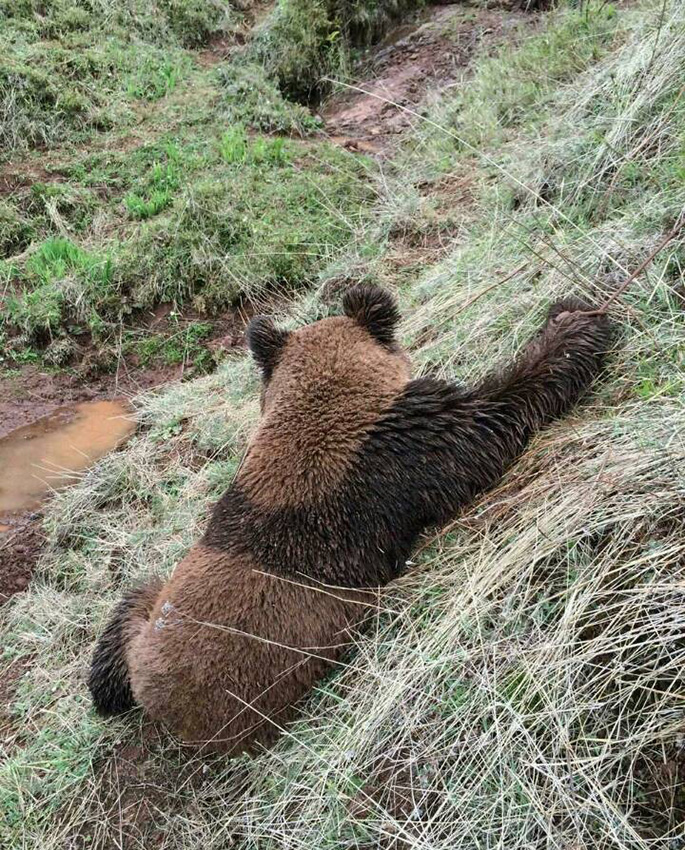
x=374 y=309
x=266 y=342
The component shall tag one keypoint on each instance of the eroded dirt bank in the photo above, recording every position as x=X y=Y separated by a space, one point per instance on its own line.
x=414 y=61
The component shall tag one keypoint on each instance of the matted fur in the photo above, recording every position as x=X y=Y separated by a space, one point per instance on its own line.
x=352 y=460
x=222 y=663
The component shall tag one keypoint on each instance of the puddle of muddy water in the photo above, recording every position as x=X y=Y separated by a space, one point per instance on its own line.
x=50 y=453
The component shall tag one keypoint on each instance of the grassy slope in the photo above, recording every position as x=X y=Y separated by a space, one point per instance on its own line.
x=163 y=186
x=522 y=687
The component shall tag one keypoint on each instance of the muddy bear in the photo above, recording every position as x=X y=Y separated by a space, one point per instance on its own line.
x=352 y=459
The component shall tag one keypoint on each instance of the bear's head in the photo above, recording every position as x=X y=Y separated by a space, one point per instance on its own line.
x=325 y=386
x=355 y=351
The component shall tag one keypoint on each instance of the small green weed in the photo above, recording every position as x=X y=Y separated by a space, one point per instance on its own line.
x=272 y=151
x=152 y=81
x=163 y=181
x=141 y=208
x=57 y=257
x=233 y=145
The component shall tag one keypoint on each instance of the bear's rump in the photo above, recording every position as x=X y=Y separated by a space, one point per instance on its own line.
x=228 y=649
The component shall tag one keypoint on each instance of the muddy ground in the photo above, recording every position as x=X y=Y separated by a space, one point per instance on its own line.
x=30 y=393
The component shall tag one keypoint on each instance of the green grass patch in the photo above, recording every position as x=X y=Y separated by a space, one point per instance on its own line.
x=57 y=267
x=183 y=345
x=265 y=220
x=73 y=67
x=164 y=179
x=235 y=148
x=510 y=91
x=200 y=223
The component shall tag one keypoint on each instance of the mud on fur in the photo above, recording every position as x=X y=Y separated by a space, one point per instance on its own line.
x=351 y=461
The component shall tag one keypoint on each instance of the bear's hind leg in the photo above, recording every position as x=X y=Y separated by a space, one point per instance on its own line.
x=108 y=679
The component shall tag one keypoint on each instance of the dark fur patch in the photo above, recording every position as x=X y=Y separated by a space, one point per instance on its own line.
x=108 y=679
x=266 y=342
x=430 y=453
x=374 y=309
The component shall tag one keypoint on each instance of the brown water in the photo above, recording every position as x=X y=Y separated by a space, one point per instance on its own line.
x=50 y=453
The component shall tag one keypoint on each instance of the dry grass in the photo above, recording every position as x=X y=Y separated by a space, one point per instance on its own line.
x=523 y=684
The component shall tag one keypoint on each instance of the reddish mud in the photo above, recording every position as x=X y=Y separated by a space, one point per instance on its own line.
x=411 y=62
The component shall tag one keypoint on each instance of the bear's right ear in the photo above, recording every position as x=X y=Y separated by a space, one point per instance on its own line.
x=374 y=309
x=266 y=343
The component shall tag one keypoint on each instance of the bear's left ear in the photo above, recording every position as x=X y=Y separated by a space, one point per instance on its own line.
x=266 y=343
x=374 y=309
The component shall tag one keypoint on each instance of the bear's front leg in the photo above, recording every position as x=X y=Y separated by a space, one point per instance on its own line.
x=552 y=371
x=444 y=445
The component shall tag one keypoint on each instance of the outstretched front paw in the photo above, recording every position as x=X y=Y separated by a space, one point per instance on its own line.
x=572 y=320
x=563 y=309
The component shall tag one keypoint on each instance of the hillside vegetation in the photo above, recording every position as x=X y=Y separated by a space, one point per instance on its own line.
x=161 y=182
x=522 y=685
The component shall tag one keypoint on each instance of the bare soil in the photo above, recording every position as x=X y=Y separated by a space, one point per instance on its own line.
x=663 y=784
x=414 y=60
x=20 y=546
x=12 y=180
x=28 y=394
x=133 y=791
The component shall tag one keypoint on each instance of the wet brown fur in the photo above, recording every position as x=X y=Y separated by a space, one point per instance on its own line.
x=224 y=663
x=330 y=387
x=351 y=461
